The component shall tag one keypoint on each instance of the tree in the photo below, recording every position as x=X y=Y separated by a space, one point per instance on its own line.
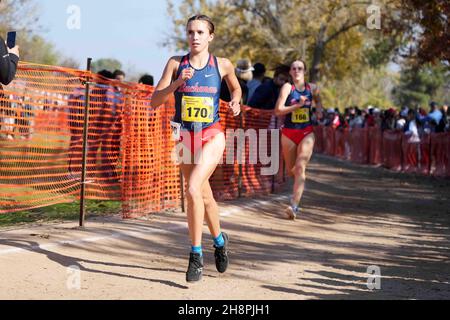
x=429 y=38
x=331 y=36
x=23 y=16
x=108 y=64
x=419 y=84
x=20 y=15
x=69 y=63
x=36 y=49
x=372 y=88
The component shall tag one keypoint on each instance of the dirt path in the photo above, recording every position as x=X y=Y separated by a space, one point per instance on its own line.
x=354 y=217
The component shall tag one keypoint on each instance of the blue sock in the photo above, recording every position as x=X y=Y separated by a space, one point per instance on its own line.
x=219 y=241
x=295 y=206
x=197 y=250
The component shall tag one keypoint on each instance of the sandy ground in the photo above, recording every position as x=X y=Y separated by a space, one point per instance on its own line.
x=354 y=217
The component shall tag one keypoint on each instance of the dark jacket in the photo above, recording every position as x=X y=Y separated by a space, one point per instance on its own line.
x=8 y=64
x=265 y=96
x=225 y=94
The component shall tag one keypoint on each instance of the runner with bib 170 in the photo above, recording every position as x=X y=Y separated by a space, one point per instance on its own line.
x=297 y=140
x=195 y=79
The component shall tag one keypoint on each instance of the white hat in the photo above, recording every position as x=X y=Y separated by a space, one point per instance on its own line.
x=331 y=110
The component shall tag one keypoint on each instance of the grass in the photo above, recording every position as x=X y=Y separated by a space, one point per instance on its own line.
x=60 y=213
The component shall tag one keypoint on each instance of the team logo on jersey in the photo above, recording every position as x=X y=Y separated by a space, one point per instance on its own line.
x=198 y=89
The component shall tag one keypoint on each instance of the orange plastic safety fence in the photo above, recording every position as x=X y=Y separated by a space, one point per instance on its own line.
x=440 y=154
x=35 y=138
x=129 y=147
x=359 y=145
x=375 y=145
x=41 y=142
x=151 y=180
x=392 y=149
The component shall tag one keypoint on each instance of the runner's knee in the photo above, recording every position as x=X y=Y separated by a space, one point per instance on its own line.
x=208 y=200
x=300 y=171
x=194 y=193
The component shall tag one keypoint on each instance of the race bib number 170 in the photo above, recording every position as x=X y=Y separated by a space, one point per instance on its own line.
x=197 y=109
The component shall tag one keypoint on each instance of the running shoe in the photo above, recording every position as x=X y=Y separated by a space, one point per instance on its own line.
x=221 y=255
x=195 y=269
x=292 y=212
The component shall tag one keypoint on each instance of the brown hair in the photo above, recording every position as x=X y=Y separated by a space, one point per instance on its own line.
x=282 y=69
x=203 y=17
x=304 y=64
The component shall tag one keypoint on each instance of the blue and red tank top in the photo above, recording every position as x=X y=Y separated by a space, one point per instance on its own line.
x=300 y=118
x=197 y=100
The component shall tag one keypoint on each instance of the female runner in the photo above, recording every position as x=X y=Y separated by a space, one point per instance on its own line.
x=195 y=79
x=297 y=140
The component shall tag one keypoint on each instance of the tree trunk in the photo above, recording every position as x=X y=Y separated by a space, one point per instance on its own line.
x=314 y=74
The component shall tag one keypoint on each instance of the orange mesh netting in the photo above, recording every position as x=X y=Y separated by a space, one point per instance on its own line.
x=41 y=142
x=35 y=137
x=129 y=145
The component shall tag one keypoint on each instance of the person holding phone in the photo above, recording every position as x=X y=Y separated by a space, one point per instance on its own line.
x=196 y=79
x=9 y=57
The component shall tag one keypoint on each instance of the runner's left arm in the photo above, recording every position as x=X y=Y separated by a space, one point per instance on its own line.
x=227 y=71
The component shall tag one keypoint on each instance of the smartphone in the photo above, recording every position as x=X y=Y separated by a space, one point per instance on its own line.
x=11 y=39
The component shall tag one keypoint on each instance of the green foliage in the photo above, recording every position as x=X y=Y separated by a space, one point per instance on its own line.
x=419 y=85
x=431 y=44
x=23 y=17
x=106 y=64
x=36 y=49
x=331 y=36
x=372 y=87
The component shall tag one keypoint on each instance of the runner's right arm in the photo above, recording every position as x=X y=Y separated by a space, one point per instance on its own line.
x=280 y=108
x=166 y=86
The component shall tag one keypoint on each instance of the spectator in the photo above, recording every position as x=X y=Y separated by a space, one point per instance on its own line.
x=321 y=118
x=389 y=121
x=401 y=121
x=119 y=75
x=111 y=137
x=446 y=111
x=76 y=124
x=244 y=74
x=9 y=59
x=370 y=119
x=411 y=129
x=146 y=79
x=332 y=119
x=258 y=78
x=444 y=123
x=435 y=114
x=102 y=117
x=266 y=95
x=8 y=62
x=358 y=121
x=377 y=117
